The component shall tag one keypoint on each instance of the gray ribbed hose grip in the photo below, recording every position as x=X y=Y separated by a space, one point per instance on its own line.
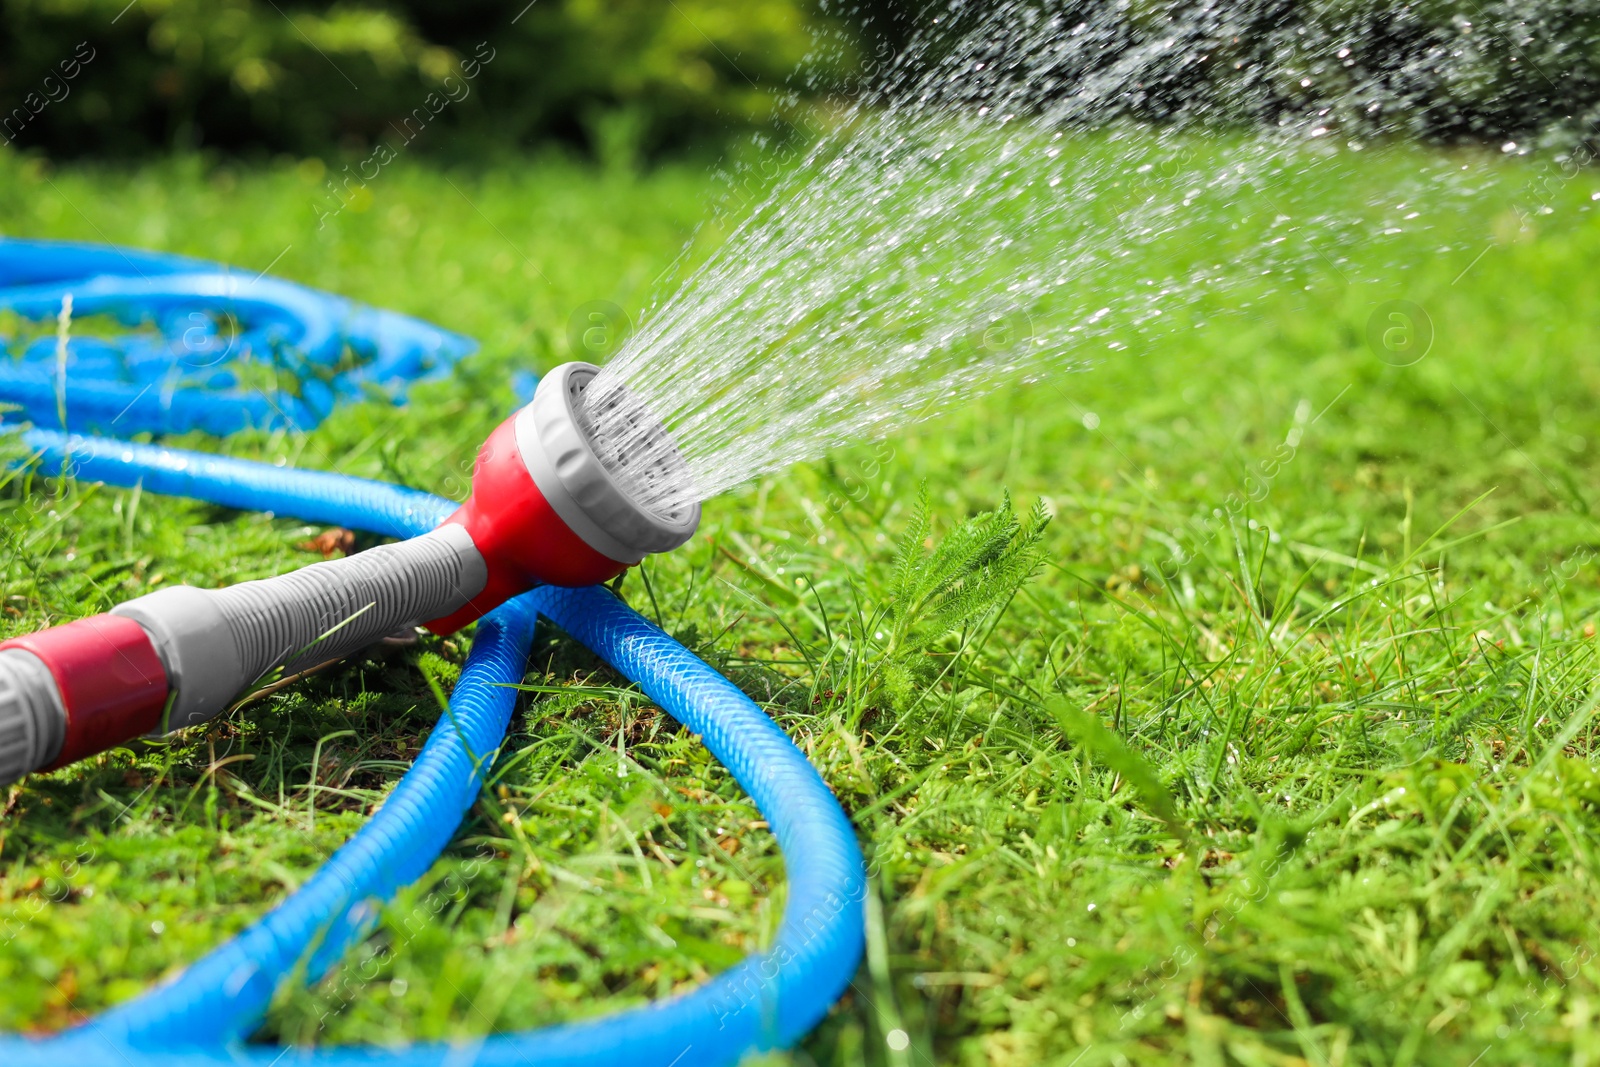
x=33 y=720
x=214 y=643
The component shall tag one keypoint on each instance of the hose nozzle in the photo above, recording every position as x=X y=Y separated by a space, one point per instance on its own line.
x=554 y=496
x=555 y=499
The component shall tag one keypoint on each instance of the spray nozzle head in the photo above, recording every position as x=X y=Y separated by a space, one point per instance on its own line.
x=592 y=451
x=562 y=492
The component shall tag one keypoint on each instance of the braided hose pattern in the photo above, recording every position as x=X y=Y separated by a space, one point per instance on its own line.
x=213 y=318
x=315 y=496
x=223 y=996
x=201 y=1018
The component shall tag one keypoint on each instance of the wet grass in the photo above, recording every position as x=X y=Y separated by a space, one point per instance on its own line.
x=1282 y=755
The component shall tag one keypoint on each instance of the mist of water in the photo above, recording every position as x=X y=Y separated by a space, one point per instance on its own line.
x=986 y=213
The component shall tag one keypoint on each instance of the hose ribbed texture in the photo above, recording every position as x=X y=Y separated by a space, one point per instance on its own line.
x=329 y=610
x=201 y=1018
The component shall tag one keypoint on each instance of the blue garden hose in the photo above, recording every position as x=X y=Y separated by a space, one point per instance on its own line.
x=201 y=347
x=204 y=1016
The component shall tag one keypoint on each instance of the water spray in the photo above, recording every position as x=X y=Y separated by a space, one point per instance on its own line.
x=549 y=505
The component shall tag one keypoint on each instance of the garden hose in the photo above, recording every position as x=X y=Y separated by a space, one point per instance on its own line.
x=204 y=1015
x=197 y=346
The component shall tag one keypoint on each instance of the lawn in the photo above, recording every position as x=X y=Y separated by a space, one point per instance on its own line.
x=1283 y=754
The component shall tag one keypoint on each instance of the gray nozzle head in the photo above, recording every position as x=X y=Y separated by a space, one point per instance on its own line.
x=584 y=471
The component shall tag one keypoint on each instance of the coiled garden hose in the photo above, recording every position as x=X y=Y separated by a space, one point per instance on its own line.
x=768 y=1001
x=201 y=347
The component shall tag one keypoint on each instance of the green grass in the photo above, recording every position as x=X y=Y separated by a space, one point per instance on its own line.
x=1283 y=755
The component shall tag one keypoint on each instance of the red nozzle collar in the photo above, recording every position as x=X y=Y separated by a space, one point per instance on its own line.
x=523 y=541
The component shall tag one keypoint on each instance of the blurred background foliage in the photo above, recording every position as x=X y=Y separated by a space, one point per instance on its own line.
x=626 y=80
x=316 y=78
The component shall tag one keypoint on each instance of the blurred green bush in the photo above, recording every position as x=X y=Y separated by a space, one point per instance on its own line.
x=94 y=77
x=625 y=79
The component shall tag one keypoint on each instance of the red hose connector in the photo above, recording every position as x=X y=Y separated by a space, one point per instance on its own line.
x=523 y=541
x=110 y=678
